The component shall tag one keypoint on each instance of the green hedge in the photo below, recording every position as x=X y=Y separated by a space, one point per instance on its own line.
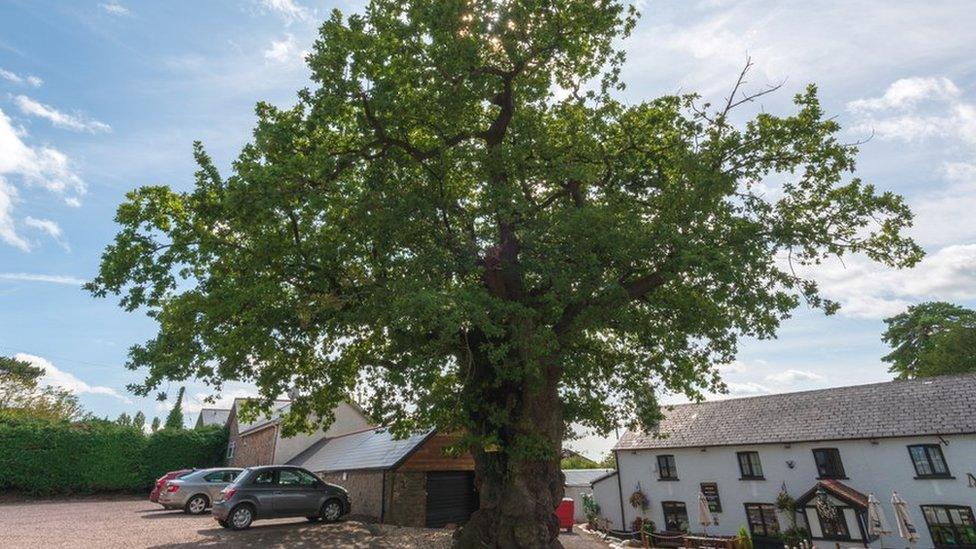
x=43 y=457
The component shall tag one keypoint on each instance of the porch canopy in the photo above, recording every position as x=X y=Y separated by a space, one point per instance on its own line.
x=835 y=512
x=838 y=490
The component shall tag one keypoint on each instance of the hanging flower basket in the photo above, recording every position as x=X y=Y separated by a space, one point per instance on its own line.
x=638 y=500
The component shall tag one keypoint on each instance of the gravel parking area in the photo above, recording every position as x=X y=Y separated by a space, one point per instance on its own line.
x=124 y=523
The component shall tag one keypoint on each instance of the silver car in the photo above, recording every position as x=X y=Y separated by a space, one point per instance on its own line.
x=196 y=491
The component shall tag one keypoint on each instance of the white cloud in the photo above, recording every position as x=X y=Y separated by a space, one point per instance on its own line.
x=744 y=389
x=794 y=376
x=54 y=279
x=58 y=378
x=43 y=166
x=945 y=216
x=701 y=46
x=47 y=226
x=115 y=9
x=867 y=289
x=914 y=109
x=8 y=230
x=74 y=122
x=734 y=367
x=287 y=9
x=907 y=92
x=18 y=79
x=282 y=50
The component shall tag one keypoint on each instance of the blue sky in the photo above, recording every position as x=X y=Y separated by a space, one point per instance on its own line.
x=99 y=97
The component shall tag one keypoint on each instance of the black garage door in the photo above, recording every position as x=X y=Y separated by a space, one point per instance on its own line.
x=451 y=498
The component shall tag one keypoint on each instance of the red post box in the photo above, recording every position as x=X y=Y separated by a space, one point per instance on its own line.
x=565 y=513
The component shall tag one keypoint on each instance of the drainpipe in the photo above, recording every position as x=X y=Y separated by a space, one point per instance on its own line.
x=620 y=492
x=383 y=498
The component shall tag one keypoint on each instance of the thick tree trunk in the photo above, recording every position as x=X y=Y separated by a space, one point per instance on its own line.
x=518 y=496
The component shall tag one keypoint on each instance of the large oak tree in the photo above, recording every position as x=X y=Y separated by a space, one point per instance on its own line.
x=462 y=222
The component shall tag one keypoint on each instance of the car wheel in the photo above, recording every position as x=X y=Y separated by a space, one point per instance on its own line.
x=241 y=517
x=331 y=510
x=196 y=505
x=223 y=523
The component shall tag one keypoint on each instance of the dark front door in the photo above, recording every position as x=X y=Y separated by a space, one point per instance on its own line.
x=451 y=498
x=763 y=526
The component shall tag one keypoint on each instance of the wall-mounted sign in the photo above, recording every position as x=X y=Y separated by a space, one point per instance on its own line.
x=710 y=490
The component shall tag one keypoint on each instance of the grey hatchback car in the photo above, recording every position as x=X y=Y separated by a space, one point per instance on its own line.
x=194 y=492
x=278 y=491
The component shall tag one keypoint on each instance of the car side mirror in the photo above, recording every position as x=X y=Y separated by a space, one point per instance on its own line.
x=318 y=484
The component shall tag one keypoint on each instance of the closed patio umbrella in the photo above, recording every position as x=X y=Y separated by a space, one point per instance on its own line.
x=877 y=523
x=906 y=528
x=704 y=513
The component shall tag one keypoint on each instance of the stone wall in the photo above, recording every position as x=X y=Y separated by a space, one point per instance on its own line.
x=365 y=490
x=406 y=498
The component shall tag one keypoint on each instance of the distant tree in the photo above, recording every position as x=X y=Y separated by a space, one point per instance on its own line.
x=155 y=424
x=124 y=420
x=175 y=418
x=931 y=339
x=139 y=420
x=577 y=462
x=20 y=389
x=18 y=380
x=609 y=461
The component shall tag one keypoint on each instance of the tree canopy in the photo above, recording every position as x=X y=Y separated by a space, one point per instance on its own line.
x=21 y=391
x=930 y=339
x=461 y=216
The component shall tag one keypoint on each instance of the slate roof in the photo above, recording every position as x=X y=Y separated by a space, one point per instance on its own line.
x=368 y=449
x=278 y=409
x=600 y=478
x=583 y=477
x=212 y=416
x=933 y=406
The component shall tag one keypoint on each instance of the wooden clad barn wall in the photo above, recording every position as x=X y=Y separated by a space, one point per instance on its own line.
x=430 y=456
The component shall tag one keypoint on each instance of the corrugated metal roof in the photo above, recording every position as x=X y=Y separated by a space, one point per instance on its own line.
x=370 y=449
x=941 y=405
x=583 y=477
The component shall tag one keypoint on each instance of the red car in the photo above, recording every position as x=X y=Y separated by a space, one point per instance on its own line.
x=161 y=481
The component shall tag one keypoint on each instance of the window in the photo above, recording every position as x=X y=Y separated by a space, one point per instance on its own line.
x=230 y=449
x=828 y=463
x=710 y=490
x=675 y=516
x=216 y=476
x=294 y=477
x=951 y=525
x=928 y=460
x=762 y=519
x=749 y=465
x=834 y=527
x=265 y=478
x=666 y=469
x=221 y=476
